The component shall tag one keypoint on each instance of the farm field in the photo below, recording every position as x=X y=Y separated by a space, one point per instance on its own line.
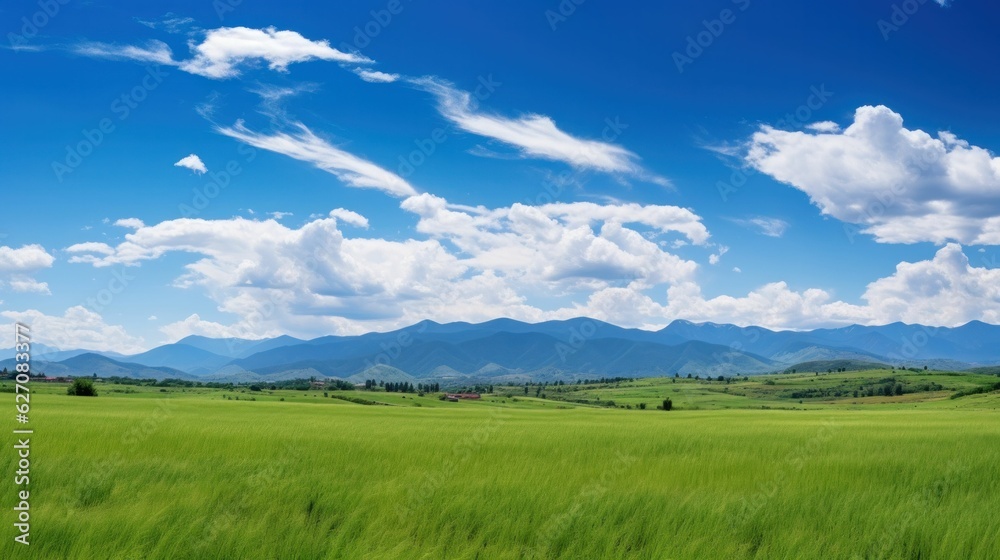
x=145 y=472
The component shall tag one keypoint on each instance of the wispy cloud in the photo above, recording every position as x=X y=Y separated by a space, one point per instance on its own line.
x=304 y=145
x=156 y=52
x=534 y=135
x=375 y=76
x=169 y=22
x=771 y=227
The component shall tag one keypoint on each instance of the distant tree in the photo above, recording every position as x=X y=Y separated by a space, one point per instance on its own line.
x=491 y=388
x=689 y=376
x=82 y=388
x=677 y=375
x=525 y=388
x=642 y=406
x=721 y=378
x=925 y=368
x=855 y=394
x=668 y=404
x=899 y=388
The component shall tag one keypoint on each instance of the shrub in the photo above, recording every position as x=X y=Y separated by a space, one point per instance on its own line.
x=642 y=406
x=668 y=404
x=82 y=388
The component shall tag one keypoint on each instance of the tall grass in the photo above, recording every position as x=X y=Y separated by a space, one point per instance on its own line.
x=192 y=477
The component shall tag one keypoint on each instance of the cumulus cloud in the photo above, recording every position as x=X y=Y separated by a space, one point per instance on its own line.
x=897 y=184
x=223 y=52
x=17 y=266
x=349 y=217
x=945 y=290
x=28 y=258
x=473 y=263
x=536 y=136
x=78 y=327
x=130 y=223
x=303 y=145
x=194 y=163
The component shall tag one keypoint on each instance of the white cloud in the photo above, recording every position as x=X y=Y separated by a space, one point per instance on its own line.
x=24 y=284
x=374 y=76
x=824 y=126
x=225 y=51
x=737 y=269
x=226 y=48
x=534 y=135
x=899 y=185
x=194 y=163
x=476 y=263
x=714 y=259
x=156 y=52
x=169 y=23
x=943 y=291
x=17 y=266
x=279 y=215
x=771 y=227
x=349 y=217
x=130 y=223
x=303 y=145
x=26 y=259
x=78 y=327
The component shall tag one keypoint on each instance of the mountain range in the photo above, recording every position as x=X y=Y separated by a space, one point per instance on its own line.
x=505 y=350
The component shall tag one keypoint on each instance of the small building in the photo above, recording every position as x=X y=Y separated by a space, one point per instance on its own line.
x=468 y=396
x=57 y=379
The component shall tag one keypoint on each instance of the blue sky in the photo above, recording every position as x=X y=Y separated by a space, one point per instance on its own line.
x=779 y=164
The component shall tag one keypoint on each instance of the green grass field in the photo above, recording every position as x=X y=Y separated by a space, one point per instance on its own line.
x=140 y=473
